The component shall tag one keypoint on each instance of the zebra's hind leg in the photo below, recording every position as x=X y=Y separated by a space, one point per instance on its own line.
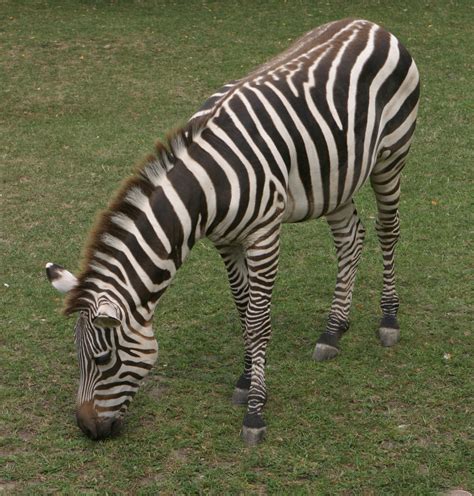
x=234 y=257
x=385 y=181
x=348 y=233
x=262 y=262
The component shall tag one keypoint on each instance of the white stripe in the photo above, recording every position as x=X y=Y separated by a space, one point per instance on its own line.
x=351 y=109
x=296 y=187
x=331 y=145
x=119 y=245
x=137 y=198
x=181 y=212
x=298 y=194
x=220 y=133
x=265 y=193
x=263 y=133
x=101 y=269
x=202 y=177
x=392 y=138
x=129 y=225
x=384 y=73
x=330 y=84
x=231 y=175
x=406 y=88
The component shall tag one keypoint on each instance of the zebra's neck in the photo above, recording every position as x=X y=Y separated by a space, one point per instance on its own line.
x=144 y=237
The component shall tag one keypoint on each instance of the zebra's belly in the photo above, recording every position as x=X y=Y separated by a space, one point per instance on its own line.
x=310 y=199
x=298 y=209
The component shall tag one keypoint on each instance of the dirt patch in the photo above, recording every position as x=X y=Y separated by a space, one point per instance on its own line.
x=259 y=489
x=26 y=436
x=181 y=454
x=7 y=486
x=156 y=387
x=457 y=492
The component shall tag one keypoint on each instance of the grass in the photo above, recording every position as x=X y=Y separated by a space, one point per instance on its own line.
x=86 y=88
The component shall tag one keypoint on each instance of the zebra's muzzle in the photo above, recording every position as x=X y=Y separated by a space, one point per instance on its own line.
x=94 y=427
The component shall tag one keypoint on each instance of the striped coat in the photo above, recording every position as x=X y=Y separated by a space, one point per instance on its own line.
x=294 y=140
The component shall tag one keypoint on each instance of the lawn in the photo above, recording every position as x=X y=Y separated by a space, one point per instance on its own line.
x=85 y=90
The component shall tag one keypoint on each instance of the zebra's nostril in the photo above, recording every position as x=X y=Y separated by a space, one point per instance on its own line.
x=108 y=427
x=115 y=427
x=89 y=430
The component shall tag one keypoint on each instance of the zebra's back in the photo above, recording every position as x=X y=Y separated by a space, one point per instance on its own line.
x=313 y=120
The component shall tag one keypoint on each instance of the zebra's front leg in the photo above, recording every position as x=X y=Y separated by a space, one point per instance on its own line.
x=348 y=234
x=234 y=257
x=262 y=262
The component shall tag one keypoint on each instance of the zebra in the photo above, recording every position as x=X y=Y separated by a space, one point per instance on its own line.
x=294 y=140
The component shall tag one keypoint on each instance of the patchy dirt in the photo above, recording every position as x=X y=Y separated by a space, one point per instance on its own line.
x=457 y=492
x=180 y=455
x=26 y=435
x=156 y=387
x=7 y=486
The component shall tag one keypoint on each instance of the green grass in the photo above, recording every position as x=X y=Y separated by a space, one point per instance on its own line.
x=86 y=88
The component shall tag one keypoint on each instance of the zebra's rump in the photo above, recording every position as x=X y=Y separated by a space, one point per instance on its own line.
x=316 y=118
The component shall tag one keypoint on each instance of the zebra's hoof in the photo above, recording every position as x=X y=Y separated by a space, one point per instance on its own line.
x=324 y=352
x=253 y=429
x=389 y=336
x=240 y=396
x=252 y=436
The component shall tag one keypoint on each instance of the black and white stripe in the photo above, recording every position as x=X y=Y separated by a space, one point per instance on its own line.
x=294 y=140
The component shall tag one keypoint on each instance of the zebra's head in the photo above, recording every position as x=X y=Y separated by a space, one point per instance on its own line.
x=113 y=356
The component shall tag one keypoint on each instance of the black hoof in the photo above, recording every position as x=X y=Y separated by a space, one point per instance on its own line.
x=253 y=430
x=240 y=396
x=325 y=352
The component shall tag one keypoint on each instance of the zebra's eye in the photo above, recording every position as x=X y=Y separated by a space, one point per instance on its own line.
x=103 y=359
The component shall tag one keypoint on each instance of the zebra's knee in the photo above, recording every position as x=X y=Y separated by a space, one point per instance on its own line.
x=388 y=222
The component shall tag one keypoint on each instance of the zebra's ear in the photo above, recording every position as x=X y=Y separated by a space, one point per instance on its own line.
x=108 y=315
x=60 y=278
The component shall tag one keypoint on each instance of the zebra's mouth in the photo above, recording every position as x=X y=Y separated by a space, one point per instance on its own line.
x=100 y=430
x=95 y=427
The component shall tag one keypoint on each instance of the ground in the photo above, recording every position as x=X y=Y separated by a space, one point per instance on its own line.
x=86 y=88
